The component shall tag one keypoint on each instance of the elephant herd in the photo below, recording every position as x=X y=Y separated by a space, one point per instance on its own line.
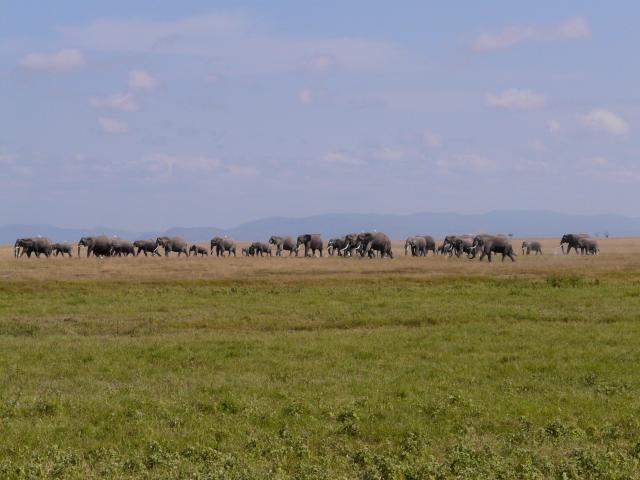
x=364 y=244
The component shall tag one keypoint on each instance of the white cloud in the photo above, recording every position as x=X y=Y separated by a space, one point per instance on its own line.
x=389 y=154
x=570 y=29
x=554 y=126
x=241 y=170
x=607 y=121
x=168 y=164
x=113 y=126
x=431 y=139
x=239 y=45
x=117 y=101
x=62 y=60
x=598 y=162
x=305 y=96
x=342 y=158
x=468 y=162
x=141 y=80
x=319 y=64
x=516 y=99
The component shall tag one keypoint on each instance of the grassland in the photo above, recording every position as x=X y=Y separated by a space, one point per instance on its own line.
x=321 y=368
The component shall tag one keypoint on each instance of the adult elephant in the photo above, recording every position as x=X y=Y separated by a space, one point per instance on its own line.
x=531 y=246
x=351 y=244
x=99 y=246
x=312 y=242
x=283 y=243
x=458 y=245
x=33 y=245
x=336 y=245
x=122 y=248
x=416 y=245
x=430 y=244
x=173 y=244
x=259 y=248
x=375 y=242
x=222 y=245
x=61 y=249
x=490 y=244
x=146 y=247
x=572 y=240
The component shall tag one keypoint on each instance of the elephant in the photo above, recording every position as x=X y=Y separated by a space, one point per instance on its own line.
x=259 y=248
x=122 y=248
x=572 y=240
x=369 y=244
x=283 y=243
x=351 y=244
x=146 y=246
x=197 y=250
x=173 y=244
x=100 y=246
x=312 y=242
x=336 y=245
x=589 y=246
x=246 y=251
x=490 y=244
x=222 y=245
x=61 y=249
x=417 y=246
x=34 y=245
x=458 y=245
x=531 y=246
x=430 y=245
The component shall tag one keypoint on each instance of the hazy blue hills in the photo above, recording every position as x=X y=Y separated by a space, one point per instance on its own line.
x=529 y=223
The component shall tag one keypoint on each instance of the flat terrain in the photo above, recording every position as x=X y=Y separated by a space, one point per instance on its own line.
x=321 y=368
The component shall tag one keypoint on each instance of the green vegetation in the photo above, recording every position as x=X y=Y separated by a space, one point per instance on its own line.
x=376 y=378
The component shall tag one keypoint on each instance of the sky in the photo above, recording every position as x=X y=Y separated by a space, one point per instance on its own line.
x=147 y=115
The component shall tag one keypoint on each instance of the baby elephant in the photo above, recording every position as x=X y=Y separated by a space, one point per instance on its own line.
x=197 y=250
x=528 y=247
x=61 y=249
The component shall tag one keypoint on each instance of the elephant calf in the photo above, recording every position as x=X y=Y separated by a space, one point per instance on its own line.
x=197 y=250
x=528 y=247
x=61 y=249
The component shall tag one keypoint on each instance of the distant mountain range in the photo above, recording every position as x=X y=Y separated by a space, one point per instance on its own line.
x=526 y=223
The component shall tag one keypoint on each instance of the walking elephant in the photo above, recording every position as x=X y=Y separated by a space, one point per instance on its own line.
x=336 y=245
x=173 y=244
x=312 y=242
x=61 y=249
x=222 y=245
x=375 y=242
x=259 y=249
x=146 y=246
x=99 y=246
x=531 y=246
x=589 y=246
x=490 y=244
x=122 y=248
x=430 y=244
x=198 y=250
x=283 y=243
x=416 y=245
x=33 y=245
x=572 y=240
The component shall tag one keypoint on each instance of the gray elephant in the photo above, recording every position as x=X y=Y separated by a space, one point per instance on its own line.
x=459 y=245
x=198 y=250
x=122 y=248
x=572 y=240
x=531 y=246
x=222 y=245
x=146 y=247
x=377 y=242
x=336 y=245
x=312 y=242
x=589 y=246
x=416 y=245
x=351 y=244
x=99 y=246
x=430 y=244
x=61 y=249
x=490 y=244
x=173 y=244
x=246 y=251
x=259 y=249
x=283 y=243
x=34 y=245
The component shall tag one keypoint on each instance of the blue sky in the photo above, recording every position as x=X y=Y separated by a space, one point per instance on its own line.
x=148 y=114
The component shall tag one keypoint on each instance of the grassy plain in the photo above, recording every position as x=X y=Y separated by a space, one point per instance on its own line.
x=321 y=368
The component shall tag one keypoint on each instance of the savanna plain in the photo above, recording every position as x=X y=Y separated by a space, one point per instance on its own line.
x=336 y=368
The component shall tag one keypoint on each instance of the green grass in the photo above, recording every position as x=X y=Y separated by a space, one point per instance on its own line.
x=381 y=377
